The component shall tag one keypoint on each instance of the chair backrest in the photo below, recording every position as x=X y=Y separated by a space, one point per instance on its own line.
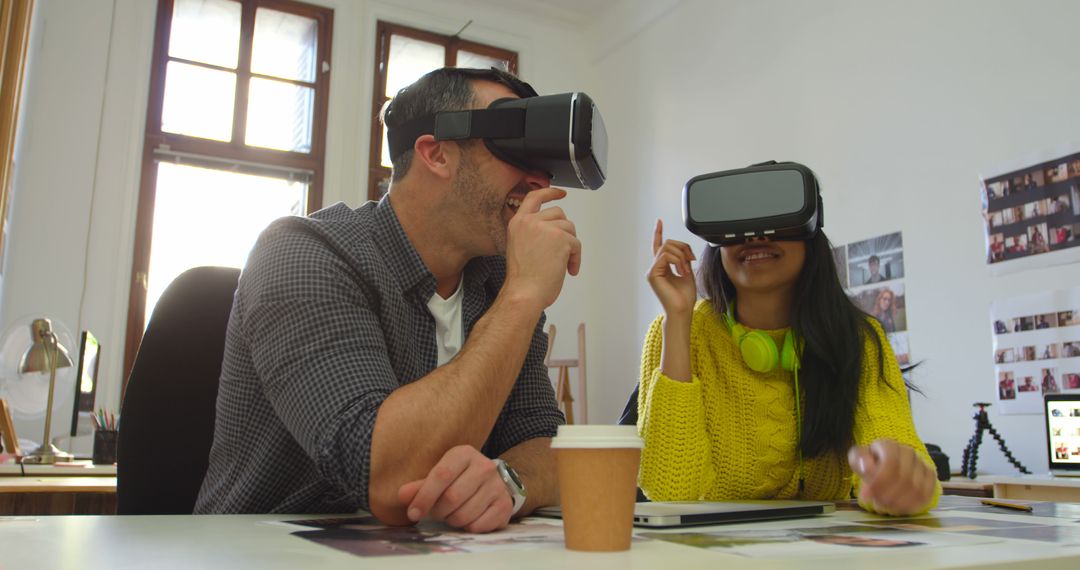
x=167 y=417
x=628 y=417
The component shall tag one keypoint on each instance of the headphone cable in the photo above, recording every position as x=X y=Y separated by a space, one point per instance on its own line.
x=798 y=431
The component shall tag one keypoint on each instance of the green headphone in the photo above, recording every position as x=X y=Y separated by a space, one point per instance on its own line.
x=759 y=350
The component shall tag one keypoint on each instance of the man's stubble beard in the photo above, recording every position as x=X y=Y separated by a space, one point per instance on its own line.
x=481 y=206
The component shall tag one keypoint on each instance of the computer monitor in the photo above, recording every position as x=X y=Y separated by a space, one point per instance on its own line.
x=1063 y=433
x=85 y=379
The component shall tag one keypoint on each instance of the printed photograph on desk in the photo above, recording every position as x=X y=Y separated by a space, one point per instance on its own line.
x=1033 y=209
x=1039 y=509
x=1036 y=348
x=366 y=536
x=1047 y=531
x=835 y=540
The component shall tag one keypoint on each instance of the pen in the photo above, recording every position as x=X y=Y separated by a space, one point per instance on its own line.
x=1003 y=504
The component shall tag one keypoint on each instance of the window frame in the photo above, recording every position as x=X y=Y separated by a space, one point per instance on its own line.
x=452 y=44
x=235 y=152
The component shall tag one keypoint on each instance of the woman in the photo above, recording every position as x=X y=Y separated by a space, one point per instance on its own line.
x=884 y=310
x=716 y=430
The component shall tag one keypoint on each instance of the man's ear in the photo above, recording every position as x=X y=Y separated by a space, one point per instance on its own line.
x=433 y=156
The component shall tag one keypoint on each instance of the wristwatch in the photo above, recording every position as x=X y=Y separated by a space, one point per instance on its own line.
x=513 y=484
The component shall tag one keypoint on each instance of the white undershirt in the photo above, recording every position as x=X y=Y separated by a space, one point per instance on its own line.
x=448 y=328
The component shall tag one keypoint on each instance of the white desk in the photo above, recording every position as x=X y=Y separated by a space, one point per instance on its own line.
x=1035 y=487
x=250 y=541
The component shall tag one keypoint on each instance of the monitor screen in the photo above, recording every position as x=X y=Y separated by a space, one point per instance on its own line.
x=86 y=379
x=1063 y=431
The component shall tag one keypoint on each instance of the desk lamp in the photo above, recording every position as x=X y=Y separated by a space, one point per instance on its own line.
x=46 y=354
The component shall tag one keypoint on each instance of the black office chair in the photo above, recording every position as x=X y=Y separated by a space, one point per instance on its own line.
x=629 y=418
x=629 y=413
x=167 y=418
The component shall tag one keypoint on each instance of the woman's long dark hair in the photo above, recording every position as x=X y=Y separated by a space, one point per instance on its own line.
x=834 y=332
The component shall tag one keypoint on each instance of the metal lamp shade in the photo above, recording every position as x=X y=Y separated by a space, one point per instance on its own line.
x=36 y=358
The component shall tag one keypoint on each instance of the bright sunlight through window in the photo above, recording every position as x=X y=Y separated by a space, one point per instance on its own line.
x=211 y=217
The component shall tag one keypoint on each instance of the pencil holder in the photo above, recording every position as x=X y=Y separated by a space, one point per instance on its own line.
x=105 y=447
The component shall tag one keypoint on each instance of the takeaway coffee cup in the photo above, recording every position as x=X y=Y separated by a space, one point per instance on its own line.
x=598 y=467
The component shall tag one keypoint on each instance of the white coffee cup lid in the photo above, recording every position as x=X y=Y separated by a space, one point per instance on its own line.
x=596 y=437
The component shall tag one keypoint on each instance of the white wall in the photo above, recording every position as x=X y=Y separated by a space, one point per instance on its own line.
x=72 y=216
x=898 y=106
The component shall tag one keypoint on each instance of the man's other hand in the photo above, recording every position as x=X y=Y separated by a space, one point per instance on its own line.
x=463 y=489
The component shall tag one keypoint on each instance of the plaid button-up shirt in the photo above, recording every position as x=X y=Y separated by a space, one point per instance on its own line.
x=328 y=319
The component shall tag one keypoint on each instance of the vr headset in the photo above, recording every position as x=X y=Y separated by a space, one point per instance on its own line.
x=562 y=135
x=776 y=200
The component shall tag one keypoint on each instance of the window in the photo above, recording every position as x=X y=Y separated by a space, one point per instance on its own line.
x=402 y=55
x=234 y=139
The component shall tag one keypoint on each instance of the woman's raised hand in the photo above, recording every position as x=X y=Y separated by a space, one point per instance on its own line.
x=671 y=277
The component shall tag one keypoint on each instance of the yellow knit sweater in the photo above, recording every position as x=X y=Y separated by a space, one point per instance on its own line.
x=729 y=433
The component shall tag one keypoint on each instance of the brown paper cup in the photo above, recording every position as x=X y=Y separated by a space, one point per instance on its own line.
x=598 y=485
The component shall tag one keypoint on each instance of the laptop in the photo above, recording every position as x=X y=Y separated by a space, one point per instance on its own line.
x=1063 y=433
x=668 y=514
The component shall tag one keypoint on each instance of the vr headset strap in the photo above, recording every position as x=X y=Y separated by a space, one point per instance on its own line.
x=458 y=125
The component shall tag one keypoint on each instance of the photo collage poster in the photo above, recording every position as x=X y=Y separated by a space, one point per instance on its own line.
x=1036 y=348
x=872 y=272
x=1033 y=210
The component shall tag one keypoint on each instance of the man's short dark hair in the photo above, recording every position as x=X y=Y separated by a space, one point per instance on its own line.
x=445 y=89
x=874 y=259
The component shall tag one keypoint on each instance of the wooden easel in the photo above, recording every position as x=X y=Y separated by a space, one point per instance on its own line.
x=7 y=431
x=562 y=384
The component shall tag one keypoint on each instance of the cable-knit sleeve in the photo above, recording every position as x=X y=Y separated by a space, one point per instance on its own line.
x=675 y=463
x=883 y=411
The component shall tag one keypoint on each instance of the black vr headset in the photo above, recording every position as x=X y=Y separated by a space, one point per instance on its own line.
x=562 y=135
x=777 y=200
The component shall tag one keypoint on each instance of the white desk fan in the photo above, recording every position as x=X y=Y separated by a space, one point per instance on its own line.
x=27 y=392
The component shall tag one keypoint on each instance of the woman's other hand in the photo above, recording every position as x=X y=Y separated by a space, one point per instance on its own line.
x=671 y=276
x=895 y=480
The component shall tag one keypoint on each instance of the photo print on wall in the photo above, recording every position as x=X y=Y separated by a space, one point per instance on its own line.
x=1032 y=210
x=872 y=272
x=1036 y=348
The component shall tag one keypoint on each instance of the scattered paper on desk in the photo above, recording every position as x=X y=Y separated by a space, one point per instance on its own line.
x=836 y=540
x=1000 y=528
x=1067 y=511
x=365 y=536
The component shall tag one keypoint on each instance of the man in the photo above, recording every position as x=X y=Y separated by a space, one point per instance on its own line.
x=874 y=264
x=380 y=358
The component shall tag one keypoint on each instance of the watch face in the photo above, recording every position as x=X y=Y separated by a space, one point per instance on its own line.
x=514 y=476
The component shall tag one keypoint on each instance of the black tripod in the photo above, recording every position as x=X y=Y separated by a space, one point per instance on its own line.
x=971 y=452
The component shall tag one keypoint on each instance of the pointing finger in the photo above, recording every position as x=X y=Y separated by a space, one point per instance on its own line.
x=533 y=200
x=658 y=236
